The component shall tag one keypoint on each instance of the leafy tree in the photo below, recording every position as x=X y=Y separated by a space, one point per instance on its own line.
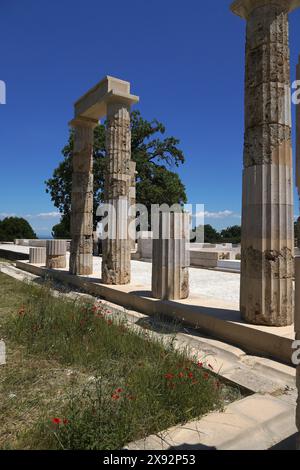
x=231 y=234
x=297 y=232
x=211 y=235
x=155 y=157
x=62 y=229
x=15 y=227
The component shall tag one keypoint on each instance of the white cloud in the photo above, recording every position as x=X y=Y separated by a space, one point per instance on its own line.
x=43 y=215
x=218 y=215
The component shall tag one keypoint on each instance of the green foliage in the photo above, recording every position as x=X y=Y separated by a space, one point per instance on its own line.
x=155 y=157
x=297 y=232
x=62 y=229
x=15 y=227
x=228 y=235
x=231 y=234
x=211 y=235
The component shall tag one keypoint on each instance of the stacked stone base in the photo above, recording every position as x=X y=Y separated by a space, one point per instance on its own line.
x=56 y=251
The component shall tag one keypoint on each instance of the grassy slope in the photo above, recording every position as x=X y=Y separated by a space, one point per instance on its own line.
x=105 y=384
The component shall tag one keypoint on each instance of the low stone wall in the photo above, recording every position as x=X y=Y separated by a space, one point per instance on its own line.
x=36 y=243
x=234 y=265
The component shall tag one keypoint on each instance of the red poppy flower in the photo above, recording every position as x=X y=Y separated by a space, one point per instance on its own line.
x=200 y=364
x=56 y=420
x=169 y=376
x=190 y=375
x=115 y=396
x=119 y=390
x=181 y=374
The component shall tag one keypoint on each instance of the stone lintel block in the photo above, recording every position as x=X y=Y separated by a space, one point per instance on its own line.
x=37 y=255
x=244 y=8
x=93 y=104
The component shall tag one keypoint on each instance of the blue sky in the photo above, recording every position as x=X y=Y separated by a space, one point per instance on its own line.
x=184 y=59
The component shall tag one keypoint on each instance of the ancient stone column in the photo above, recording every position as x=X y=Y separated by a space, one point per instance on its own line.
x=297 y=259
x=170 y=257
x=81 y=256
x=37 y=255
x=116 y=254
x=56 y=254
x=132 y=202
x=267 y=215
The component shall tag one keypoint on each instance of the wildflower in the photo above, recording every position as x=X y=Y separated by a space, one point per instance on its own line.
x=109 y=322
x=56 y=420
x=22 y=311
x=181 y=374
x=115 y=396
x=200 y=364
x=190 y=375
x=169 y=376
x=206 y=376
x=119 y=390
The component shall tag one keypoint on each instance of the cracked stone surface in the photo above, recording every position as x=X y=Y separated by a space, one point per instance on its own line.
x=117 y=251
x=267 y=215
x=81 y=256
x=170 y=264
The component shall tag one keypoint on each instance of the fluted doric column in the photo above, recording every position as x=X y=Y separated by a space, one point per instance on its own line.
x=170 y=256
x=117 y=247
x=132 y=203
x=267 y=214
x=81 y=256
x=297 y=259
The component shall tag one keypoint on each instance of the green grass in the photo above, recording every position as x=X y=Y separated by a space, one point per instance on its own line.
x=78 y=378
x=4 y=260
